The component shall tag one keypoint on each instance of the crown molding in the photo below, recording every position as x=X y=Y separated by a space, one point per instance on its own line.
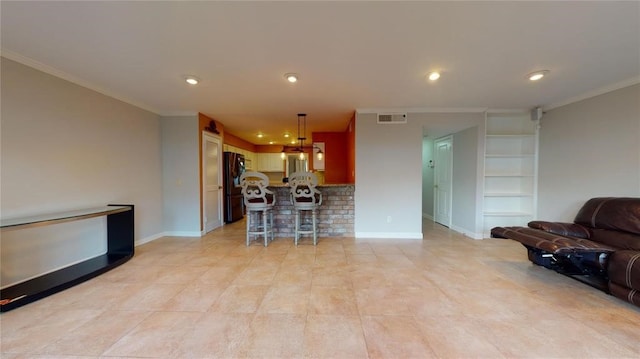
x=27 y=61
x=179 y=114
x=422 y=110
x=597 y=92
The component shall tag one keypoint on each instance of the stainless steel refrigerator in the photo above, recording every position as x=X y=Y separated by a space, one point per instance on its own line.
x=233 y=201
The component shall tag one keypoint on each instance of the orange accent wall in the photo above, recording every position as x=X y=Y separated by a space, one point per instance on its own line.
x=351 y=150
x=268 y=148
x=235 y=141
x=336 y=157
x=204 y=121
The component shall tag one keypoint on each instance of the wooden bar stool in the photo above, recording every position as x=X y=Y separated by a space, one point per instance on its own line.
x=305 y=198
x=258 y=201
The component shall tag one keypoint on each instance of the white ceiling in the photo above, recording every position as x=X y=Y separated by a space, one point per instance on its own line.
x=349 y=55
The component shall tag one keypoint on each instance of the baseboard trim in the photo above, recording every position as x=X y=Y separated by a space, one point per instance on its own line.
x=467 y=233
x=148 y=239
x=167 y=234
x=388 y=235
x=427 y=216
x=183 y=234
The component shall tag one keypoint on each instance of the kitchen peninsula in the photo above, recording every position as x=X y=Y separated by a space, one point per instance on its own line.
x=335 y=215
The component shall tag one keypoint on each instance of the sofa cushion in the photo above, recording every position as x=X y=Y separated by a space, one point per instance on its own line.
x=617 y=239
x=624 y=293
x=549 y=242
x=614 y=213
x=560 y=228
x=624 y=269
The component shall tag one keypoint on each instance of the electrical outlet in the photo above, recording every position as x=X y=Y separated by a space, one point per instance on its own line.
x=388 y=219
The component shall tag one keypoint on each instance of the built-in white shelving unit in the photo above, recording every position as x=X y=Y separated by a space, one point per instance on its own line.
x=510 y=169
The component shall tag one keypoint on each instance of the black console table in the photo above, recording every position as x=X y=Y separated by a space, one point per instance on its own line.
x=120 y=248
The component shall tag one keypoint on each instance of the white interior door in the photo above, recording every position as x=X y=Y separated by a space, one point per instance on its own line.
x=212 y=200
x=443 y=183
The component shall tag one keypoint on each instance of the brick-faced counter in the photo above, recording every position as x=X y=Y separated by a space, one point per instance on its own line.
x=335 y=215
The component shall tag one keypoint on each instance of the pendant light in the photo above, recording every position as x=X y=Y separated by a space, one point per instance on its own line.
x=301 y=147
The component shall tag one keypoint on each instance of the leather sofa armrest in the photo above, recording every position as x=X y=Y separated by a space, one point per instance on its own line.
x=562 y=229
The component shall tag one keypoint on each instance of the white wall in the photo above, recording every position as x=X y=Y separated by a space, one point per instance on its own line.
x=427 y=178
x=67 y=147
x=589 y=149
x=389 y=171
x=180 y=176
x=388 y=192
x=465 y=178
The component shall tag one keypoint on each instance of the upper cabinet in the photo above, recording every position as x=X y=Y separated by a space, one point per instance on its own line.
x=269 y=162
x=249 y=157
x=510 y=170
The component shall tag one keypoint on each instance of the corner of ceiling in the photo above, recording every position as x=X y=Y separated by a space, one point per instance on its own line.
x=27 y=61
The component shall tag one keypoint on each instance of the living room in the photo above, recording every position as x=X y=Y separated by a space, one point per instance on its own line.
x=67 y=145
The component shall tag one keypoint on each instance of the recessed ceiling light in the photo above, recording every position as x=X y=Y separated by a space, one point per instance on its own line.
x=271 y=142
x=260 y=135
x=286 y=135
x=434 y=76
x=535 y=76
x=291 y=77
x=192 y=80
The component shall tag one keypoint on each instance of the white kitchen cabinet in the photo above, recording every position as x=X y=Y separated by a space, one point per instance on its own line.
x=234 y=149
x=250 y=161
x=510 y=170
x=269 y=162
x=249 y=157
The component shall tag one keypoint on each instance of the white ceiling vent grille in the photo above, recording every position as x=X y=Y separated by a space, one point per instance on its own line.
x=392 y=118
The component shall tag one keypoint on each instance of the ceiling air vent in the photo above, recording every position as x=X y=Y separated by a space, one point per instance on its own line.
x=392 y=118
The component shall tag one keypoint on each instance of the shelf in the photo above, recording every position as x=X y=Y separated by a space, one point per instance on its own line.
x=120 y=248
x=60 y=217
x=510 y=169
x=51 y=283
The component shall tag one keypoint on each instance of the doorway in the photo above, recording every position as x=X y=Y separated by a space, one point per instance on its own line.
x=443 y=183
x=212 y=198
x=295 y=164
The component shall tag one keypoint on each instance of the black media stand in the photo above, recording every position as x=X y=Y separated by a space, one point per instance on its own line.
x=120 y=248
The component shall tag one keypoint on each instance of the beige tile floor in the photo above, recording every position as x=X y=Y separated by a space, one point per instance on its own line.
x=445 y=296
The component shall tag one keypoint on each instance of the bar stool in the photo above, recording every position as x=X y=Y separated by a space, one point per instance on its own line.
x=305 y=198
x=258 y=201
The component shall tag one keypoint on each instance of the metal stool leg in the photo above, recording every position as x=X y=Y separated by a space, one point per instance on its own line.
x=297 y=227
x=272 y=230
x=248 y=226
x=265 y=227
x=314 y=228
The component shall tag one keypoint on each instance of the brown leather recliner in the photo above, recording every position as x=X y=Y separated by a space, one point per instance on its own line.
x=601 y=247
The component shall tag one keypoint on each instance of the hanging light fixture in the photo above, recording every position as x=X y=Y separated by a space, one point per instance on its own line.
x=300 y=147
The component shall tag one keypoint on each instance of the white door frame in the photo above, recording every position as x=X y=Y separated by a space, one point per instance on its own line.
x=446 y=219
x=219 y=221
